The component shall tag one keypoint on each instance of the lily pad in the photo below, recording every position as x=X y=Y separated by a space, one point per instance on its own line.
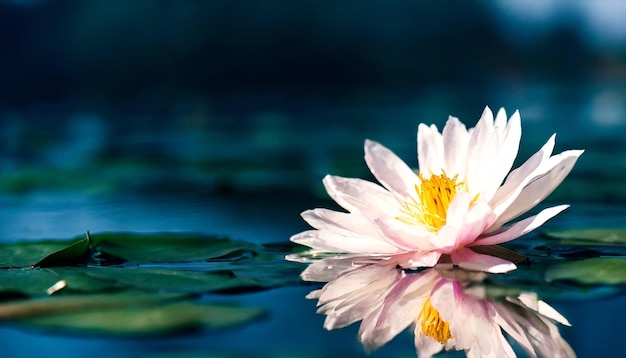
x=164 y=280
x=167 y=247
x=594 y=271
x=26 y=281
x=43 y=253
x=601 y=236
x=148 y=320
x=78 y=281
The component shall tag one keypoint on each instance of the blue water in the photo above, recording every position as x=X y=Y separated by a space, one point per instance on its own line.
x=292 y=329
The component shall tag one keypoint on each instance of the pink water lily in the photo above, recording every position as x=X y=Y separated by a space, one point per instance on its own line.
x=458 y=199
x=441 y=311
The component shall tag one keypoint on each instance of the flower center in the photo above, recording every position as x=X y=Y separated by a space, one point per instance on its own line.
x=435 y=195
x=432 y=324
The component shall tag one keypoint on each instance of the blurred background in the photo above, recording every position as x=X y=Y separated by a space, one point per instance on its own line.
x=223 y=116
x=236 y=96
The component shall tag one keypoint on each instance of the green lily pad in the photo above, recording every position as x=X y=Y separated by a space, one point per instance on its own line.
x=588 y=236
x=594 y=271
x=148 y=320
x=77 y=280
x=165 y=280
x=43 y=253
x=167 y=247
x=27 y=281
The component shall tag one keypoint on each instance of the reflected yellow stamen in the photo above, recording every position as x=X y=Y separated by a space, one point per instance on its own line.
x=435 y=195
x=432 y=325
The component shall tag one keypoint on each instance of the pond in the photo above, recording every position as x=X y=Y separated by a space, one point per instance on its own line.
x=289 y=326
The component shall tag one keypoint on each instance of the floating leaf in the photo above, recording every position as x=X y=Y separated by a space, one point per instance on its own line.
x=27 y=281
x=167 y=247
x=43 y=253
x=588 y=236
x=77 y=280
x=595 y=271
x=148 y=320
x=164 y=280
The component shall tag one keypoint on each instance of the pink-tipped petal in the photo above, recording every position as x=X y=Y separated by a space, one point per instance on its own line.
x=519 y=178
x=540 y=187
x=521 y=227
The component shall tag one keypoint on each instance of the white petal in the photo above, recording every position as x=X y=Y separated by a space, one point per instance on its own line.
x=521 y=227
x=355 y=280
x=481 y=153
x=354 y=194
x=471 y=322
x=340 y=223
x=354 y=305
x=530 y=300
x=404 y=236
x=390 y=170
x=519 y=178
x=313 y=295
x=506 y=319
x=400 y=307
x=421 y=259
x=333 y=242
x=426 y=347
x=430 y=150
x=455 y=141
x=506 y=152
x=540 y=187
x=470 y=260
x=328 y=269
x=464 y=223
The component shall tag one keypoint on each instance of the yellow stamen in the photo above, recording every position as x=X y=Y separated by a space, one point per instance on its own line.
x=432 y=325
x=435 y=195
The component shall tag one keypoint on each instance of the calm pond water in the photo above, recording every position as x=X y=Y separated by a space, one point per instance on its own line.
x=292 y=329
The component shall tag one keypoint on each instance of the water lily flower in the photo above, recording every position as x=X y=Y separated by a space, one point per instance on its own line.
x=458 y=200
x=442 y=311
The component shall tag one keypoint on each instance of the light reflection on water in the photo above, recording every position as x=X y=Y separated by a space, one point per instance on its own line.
x=257 y=218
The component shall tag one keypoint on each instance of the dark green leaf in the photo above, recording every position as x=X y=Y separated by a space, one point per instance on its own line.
x=148 y=320
x=594 y=271
x=167 y=247
x=42 y=253
x=67 y=255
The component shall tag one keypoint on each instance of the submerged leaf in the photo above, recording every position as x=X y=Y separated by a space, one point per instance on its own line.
x=167 y=247
x=594 y=271
x=148 y=320
x=64 y=304
x=43 y=253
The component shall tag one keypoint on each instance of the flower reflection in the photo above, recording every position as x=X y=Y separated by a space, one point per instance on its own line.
x=456 y=202
x=447 y=309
